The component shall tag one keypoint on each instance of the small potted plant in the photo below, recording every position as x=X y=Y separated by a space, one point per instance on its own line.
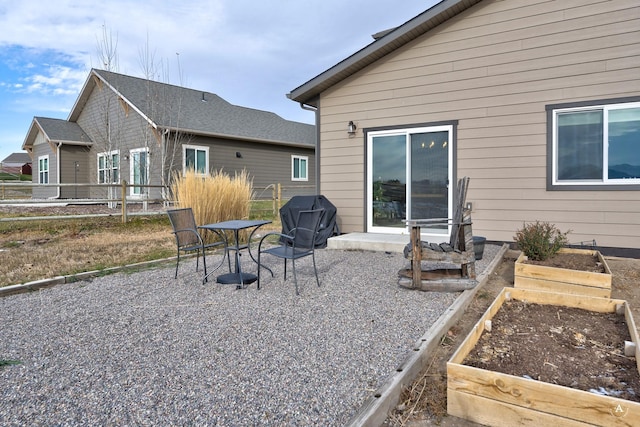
x=547 y=264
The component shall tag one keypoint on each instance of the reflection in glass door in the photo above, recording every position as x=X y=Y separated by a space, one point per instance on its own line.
x=139 y=171
x=389 y=178
x=430 y=176
x=409 y=175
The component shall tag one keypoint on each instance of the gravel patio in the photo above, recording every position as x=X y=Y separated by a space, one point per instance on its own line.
x=145 y=349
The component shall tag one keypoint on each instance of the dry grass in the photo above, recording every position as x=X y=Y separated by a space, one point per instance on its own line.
x=427 y=395
x=216 y=197
x=52 y=248
x=41 y=249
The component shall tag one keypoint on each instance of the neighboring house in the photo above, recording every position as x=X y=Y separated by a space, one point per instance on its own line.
x=143 y=132
x=538 y=102
x=16 y=163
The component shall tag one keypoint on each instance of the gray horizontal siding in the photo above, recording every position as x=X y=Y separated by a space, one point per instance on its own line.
x=266 y=164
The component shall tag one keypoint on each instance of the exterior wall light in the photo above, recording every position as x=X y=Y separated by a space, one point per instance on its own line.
x=351 y=128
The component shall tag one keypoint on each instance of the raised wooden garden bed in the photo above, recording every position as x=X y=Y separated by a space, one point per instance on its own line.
x=497 y=399
x=565 y=280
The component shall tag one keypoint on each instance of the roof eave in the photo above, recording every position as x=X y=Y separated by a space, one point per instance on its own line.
x=78 y=105
x=69 y=142
x=238 y=137
x=434 y=16
x=34 y=128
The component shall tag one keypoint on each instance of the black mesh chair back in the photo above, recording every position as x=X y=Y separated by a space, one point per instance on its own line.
x=188 y=238
x=298 y=243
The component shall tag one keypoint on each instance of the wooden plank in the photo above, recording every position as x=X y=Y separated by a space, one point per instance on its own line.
x=555 y=274
x=494 y=398
x=541 y=397
x=416 y=257
x=633 y=331
x=544 y=277
x=453 y=257
x=563 y=288
x=439 y=285
x=600 y=305
x=495 y=413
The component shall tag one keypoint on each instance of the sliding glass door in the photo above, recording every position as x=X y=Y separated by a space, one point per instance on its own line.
x=409 y=171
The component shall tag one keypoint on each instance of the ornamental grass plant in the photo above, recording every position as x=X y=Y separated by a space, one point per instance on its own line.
x=540 y=240
x=216 y=197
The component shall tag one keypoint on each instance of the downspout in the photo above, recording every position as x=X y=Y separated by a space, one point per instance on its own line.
x=58 y=170
x=163 y=160
x=317 y=148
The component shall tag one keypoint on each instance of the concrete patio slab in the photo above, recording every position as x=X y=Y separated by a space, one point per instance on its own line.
x=369 y=242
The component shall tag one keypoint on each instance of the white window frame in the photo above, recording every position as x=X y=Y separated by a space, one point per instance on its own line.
x=109 y=167
x=138 y=191
x=297 y=158
x=43 y=173
x=604 y=182
x=406 y=132
x=197 y=148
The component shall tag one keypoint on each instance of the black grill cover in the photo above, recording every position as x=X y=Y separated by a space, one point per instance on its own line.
x=328 y=225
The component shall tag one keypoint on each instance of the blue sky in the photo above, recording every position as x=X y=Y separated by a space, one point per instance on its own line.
x=251 y=53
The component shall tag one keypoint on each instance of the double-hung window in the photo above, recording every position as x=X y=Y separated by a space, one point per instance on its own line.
x=43 y=169
x=299 y=168
x=195 y=158
x=595 y=146
x=109 y=167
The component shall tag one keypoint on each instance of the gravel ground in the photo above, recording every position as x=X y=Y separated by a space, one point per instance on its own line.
x=145 y=349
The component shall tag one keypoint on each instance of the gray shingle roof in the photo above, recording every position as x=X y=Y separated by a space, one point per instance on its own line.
x=58 y=130
x=17 y=158
x=205 y=113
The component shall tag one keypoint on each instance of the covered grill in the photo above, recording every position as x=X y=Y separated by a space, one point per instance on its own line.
x=328 y=224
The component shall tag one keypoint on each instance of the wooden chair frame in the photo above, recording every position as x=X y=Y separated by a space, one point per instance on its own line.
x=459 y=250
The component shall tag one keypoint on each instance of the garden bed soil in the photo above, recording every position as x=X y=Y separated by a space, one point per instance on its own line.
x=424 y=401
x=571 y=261
x=570 y=347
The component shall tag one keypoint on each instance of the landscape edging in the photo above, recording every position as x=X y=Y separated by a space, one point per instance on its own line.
x=374 y=411
x=71 y=278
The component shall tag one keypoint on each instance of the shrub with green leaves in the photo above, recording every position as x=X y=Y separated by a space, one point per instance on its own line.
x=540 y=240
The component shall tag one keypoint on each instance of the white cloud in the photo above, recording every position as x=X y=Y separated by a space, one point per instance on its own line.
x=246 y=38
x=54 y=79
x=250 y=52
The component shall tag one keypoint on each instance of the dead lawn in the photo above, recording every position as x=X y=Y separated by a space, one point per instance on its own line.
x=34 y=250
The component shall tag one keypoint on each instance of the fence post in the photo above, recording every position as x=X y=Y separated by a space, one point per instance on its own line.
x=279 y=196
x=273 y=199
x=124 y=200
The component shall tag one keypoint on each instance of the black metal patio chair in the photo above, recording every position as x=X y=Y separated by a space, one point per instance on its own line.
x=298 y=243
x=188 y=237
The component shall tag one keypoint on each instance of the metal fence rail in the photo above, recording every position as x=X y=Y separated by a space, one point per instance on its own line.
x=19 y=193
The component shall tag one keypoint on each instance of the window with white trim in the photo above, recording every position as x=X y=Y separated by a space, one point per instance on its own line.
x=299 y=168
x=195 y=157
x=109 y=167
x=596 y=145
x=43 y=169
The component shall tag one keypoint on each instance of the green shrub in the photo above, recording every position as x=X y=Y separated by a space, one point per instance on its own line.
x=540 y=240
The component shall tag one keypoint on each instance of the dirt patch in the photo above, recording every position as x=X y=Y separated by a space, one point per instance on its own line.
x=570 y=347
x=424 y=402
